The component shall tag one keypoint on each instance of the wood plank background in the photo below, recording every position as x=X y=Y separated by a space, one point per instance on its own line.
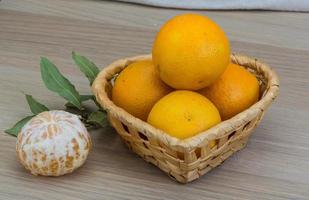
x=275 y=165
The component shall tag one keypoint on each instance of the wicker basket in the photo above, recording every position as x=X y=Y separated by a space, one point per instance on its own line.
x=189 y=159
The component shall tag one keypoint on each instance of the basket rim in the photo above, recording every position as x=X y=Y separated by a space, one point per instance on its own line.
x=202 y=138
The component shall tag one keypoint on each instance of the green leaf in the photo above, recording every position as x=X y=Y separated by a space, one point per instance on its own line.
x=35 y=106
x=82 y=98
x=86 y=66
x=56 y=82
x=86 y=97
x=18 y=126
x=98 y=117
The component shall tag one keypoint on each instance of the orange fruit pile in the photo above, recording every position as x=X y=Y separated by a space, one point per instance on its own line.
x=190 y=83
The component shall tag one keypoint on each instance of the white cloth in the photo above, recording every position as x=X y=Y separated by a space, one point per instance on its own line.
x=284 y=5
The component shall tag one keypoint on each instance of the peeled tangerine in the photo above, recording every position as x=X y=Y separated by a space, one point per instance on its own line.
x=53 y=143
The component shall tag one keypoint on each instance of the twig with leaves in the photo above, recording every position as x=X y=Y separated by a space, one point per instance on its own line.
x=56 y=82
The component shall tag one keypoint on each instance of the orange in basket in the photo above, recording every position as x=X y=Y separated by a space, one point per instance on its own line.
x=190 y=51
x=188 y=159
x=236 y=90
x=138 y=88
x=183 y=114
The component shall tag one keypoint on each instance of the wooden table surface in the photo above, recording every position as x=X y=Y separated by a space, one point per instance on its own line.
x=275 y=164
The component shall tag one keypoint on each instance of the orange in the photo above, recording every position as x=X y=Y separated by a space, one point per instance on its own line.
x=137 y=88
x=183 y=114
x=190 y=51
x=236 y=90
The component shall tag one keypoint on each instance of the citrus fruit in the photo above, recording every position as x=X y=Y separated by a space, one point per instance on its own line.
x=190 y=51
x=137 y=88
x=183 y=114
x=236 y=90
x=53 y=143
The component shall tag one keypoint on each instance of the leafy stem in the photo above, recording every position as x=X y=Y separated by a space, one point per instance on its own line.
x=58 y=83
